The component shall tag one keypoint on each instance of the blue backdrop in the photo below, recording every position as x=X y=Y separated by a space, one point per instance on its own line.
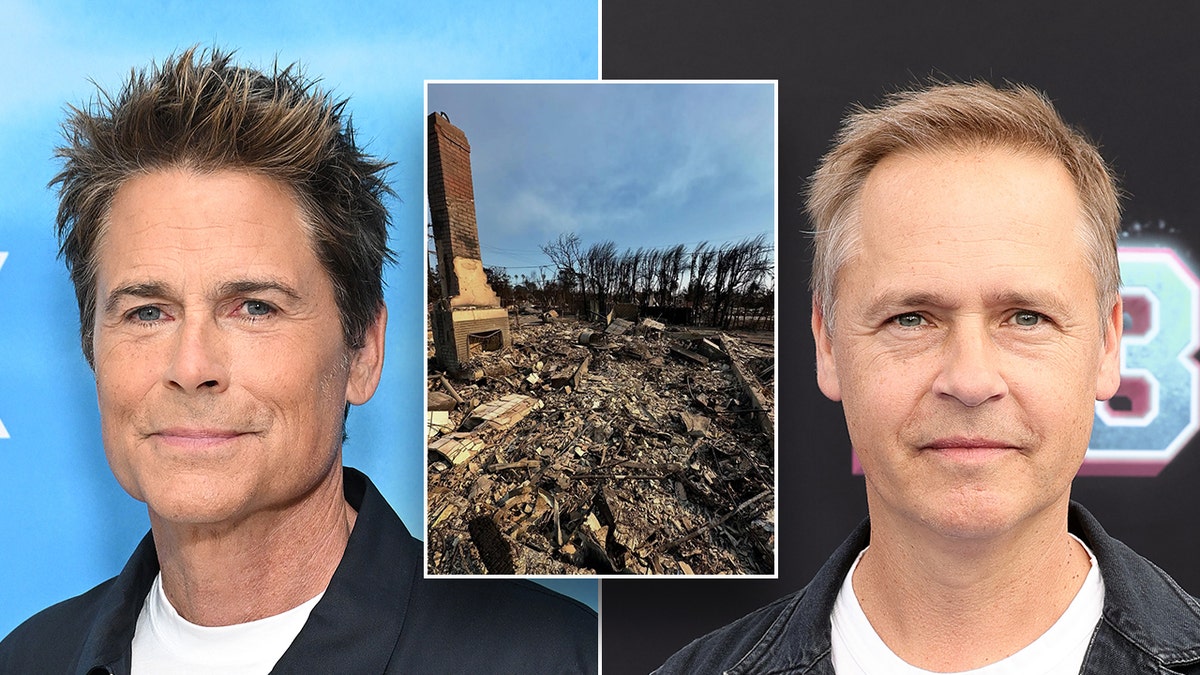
x=65 y=524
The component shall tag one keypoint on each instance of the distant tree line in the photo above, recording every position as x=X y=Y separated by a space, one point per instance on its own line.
x=723 y=286
x=720 y=284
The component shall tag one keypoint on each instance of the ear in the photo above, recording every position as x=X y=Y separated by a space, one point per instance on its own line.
x=366 y=363
x=1108 y=377
x=826 y=367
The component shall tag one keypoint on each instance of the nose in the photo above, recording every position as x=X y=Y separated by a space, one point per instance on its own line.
x=199 y=360
x=970 y=371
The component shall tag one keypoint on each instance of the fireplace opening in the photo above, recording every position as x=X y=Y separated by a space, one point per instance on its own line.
x=487 y=341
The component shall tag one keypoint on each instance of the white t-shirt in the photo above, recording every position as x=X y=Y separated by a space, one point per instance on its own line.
x=165 y=642
x=858 y=650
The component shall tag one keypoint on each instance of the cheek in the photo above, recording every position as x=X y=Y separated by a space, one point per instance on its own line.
x=882 y=384
x=118 y=398
x=873 y=409
x=1054 y=403
x=118 y=402
x=122 y=383
x=301 y=383
x=1063 y=386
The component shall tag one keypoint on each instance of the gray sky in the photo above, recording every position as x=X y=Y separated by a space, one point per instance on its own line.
x=649 y=165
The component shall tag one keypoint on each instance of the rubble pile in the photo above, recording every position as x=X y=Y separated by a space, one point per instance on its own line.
x=590 y=449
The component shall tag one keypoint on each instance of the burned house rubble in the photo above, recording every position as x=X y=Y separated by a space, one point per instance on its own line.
x=559 y=446
x=632 y=447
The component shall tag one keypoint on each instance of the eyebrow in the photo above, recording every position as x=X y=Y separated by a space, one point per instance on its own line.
x=251 y=286
x=154 y=289
x=136 y=290
x=891 y=300
x=1049 y=301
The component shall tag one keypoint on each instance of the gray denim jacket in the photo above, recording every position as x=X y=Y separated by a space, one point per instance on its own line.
x=1149 y=625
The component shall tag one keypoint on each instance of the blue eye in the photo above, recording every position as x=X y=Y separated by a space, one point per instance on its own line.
x=257 y=308
x=910 y=320
x=148 y=314
x=1027 y=318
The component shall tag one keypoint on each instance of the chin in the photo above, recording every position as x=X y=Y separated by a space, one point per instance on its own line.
x=193 y=502
x=977 y=515
x=196 y=515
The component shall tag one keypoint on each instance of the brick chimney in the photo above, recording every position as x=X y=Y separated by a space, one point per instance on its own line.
x=469 y=319
x=452 y=205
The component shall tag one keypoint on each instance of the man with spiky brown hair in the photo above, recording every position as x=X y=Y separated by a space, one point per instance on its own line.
x=226 y=239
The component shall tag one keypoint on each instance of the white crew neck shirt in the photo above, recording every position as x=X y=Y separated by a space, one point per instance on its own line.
x=165 y=642
x=858 y=650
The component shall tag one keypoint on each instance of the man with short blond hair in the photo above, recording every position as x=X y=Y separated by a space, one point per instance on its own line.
x=966 y=314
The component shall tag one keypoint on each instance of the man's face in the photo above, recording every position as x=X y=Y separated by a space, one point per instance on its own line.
x=966 y=346
x=221 y=371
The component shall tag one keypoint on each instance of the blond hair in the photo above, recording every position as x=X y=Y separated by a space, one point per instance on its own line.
x=956 y=117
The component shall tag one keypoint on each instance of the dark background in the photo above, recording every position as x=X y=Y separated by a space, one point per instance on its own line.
x=1128 y=75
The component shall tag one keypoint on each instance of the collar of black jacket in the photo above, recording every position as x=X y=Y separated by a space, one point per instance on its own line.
x=363 y=599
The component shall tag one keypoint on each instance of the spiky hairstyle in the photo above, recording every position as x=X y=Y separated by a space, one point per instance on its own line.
x=200 y=112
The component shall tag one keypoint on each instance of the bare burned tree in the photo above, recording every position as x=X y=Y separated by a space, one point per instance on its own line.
x=670 y=271
x=600 y=267
x=738 y=267
x=648 y=274
x=700 y=274
x=627 y=270
x=566 y=255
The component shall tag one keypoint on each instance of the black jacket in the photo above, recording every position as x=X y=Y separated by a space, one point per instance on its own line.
x=1149 y=625
x=378 y=615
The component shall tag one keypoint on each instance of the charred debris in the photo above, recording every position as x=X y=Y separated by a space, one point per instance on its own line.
x=626 y=446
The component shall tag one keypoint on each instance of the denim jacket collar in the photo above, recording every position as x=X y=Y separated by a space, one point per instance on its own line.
x=1149 y=624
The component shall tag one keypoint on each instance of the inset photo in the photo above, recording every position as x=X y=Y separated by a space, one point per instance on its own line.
x=601 y=329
